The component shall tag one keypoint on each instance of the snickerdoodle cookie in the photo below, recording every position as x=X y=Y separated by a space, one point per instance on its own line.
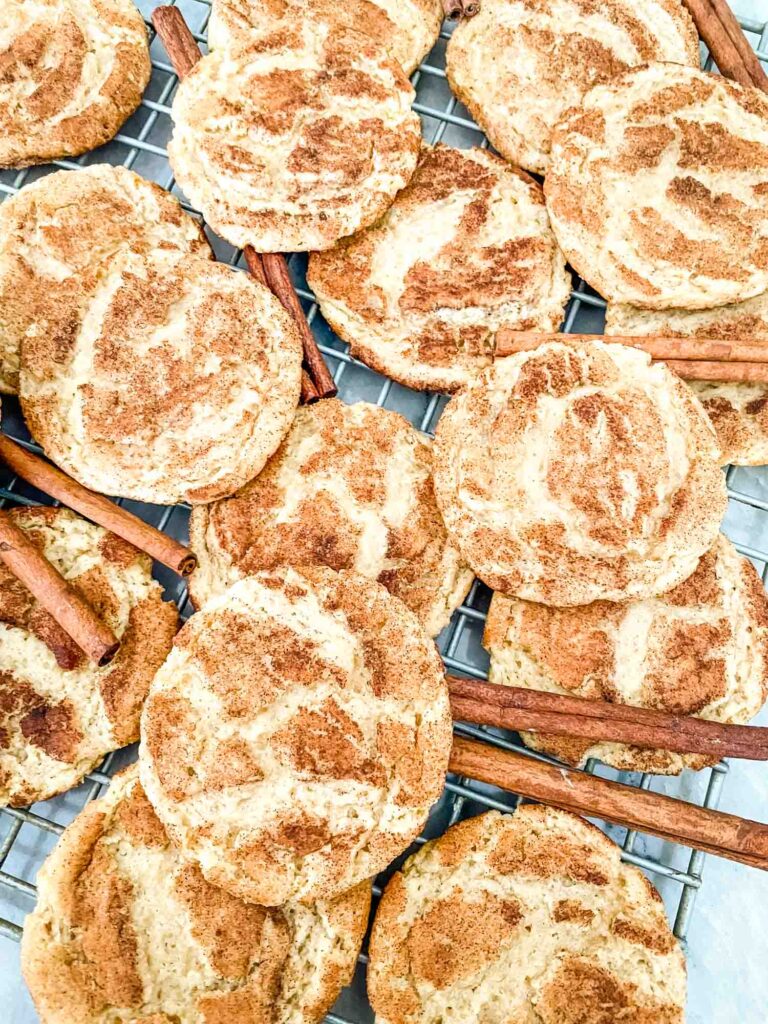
x=520 y=63
x=406 y=28
x=126 y=929
x=303 y=137
x=578 y=472
x=700 y=649
x=176 y=380
x=71 y=72
x=59 y=713
x=297 y=735
x=350 y=487
x=738 y=412
x=656 y=188
x=59 y=233
x=465 y=249
x=525 y=917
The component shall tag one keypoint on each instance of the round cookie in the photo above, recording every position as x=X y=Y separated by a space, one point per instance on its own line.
x=579 y=472
x=519 y=64
x=350 y=487
x=297 y=735
x=175 y=381
x=656 y=189
x=465 y=249
x=701 y=649
x=303 y=137
x=126 y=929
x=738 y=412
x=408 y=29
x=59 y=713
x=71 y=72
x=524 y=917
x=58 y=233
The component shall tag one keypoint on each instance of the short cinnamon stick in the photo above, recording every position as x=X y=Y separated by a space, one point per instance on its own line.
x=177 y=39
x=57 y=597
x=737 y=373
x=96 y=507
x=726 y=835
x=452 y=9
x=523 y=710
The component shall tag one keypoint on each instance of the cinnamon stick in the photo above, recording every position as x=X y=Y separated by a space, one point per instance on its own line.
x=523 y=710
x=177 y=39
x=691 y=358
x=279 y=280
x=719 y=28
x=726 y=835
x=253 y=261
x=96 y=507
x=55 y=595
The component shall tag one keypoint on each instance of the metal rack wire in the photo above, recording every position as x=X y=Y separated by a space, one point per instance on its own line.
x=26 y=835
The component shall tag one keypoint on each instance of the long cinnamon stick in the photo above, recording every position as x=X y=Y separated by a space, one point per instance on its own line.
x=57 y=597
x=253 y=261
x=715 y=832
x=691 y=358
x=279 y=280
x=452 y=9
x=520 y=709
x=96 y=507
x=719 y=28
x=318 y=382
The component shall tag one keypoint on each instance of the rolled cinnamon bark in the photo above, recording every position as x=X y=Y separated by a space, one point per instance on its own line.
x=50 y=480
x=55 y=595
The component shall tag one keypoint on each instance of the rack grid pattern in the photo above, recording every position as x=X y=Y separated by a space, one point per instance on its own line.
x=27 y=834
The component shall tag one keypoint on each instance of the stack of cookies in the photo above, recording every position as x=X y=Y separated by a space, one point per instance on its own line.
x=296 y=732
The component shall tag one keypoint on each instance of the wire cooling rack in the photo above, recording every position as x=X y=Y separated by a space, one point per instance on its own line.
x=27 y=835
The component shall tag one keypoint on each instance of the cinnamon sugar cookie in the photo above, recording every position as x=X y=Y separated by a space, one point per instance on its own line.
x=126 y=929
x=71 y=72
x=350 y=487
x=407 y=29
x=303 y=137
x=738 y=412
x=297 y=735
x=519 y=64
x=59 y=713
x=175 y=381
x=465 y=249
x=656 y=188
x=579 y=472
x=524 y=917
x=700 y=649
x=58 y=234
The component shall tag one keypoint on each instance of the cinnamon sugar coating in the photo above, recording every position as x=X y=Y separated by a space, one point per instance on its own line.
x=510 y=919
x=59 y=713
x=657 y=188
x=304 y=136
x=175 y=380
x=71 y=72
x=297 y=735
x=126 y=929
x=519 y=64
x=700 y=649
x=738 y=412
x=579 y=472
x=465 y=249
x=58 y=233
x=407 y=29
x=350 y=487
